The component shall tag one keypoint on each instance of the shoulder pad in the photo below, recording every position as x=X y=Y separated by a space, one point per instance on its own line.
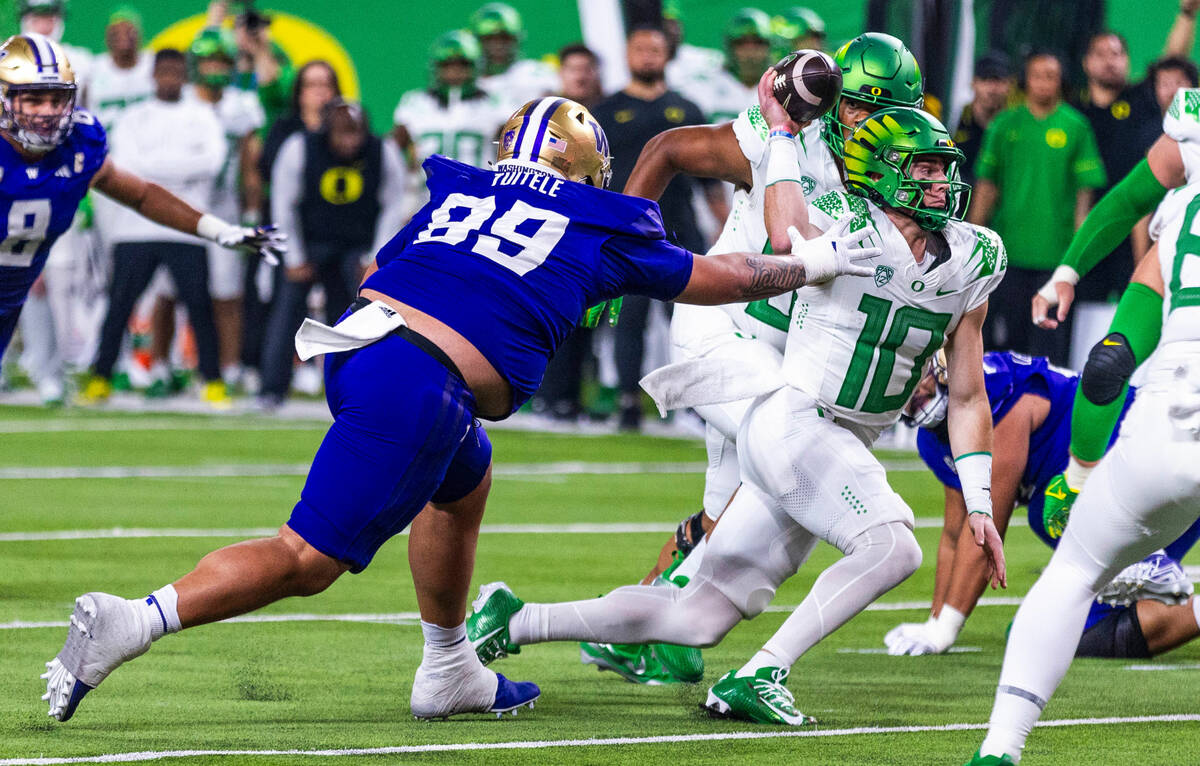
x=87 y=130
x=1182 y=121
x=988 y=256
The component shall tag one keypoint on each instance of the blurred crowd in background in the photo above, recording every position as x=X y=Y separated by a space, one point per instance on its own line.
x=233 y=127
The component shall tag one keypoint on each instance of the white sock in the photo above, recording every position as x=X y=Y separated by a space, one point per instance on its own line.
x=160 y=610
x=761 y=659
x=437 y=637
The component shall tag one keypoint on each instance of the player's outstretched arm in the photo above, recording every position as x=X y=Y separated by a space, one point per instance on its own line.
x=1108 y=223
x=969 y=421
x=161 y=206
x=704 y=151
x=784 y=206
x=735 y=277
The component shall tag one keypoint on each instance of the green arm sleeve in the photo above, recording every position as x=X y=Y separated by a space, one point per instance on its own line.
x=1139 y=319
x=1113 y=217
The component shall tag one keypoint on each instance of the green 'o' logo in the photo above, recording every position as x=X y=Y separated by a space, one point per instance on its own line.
x=917 y=286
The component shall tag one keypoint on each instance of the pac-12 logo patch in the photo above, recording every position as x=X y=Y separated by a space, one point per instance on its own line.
x=883 y=275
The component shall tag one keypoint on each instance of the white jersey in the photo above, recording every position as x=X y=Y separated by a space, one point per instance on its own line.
x=720 y=95
x=81 y=63
x=693 y=63
x=522 y=82
x=1176 y=227
x=857 y=345
x=746 y=230
x=111 y=90
x=462 y=129
x=240 y=113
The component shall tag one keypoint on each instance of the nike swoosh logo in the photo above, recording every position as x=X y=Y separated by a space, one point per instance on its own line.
x=939 y=293
x=485 y=638
x=1108 y=342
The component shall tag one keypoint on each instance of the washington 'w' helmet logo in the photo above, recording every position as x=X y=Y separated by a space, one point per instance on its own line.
x=883 y=275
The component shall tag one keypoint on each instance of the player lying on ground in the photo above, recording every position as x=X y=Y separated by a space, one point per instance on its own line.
x=52 y=153
x=455 y=321
x=807 y=473
x=1142 y=495
x=877 y=71
x=1030 y=403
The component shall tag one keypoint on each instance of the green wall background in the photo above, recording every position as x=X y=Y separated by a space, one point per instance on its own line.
x=388 y=39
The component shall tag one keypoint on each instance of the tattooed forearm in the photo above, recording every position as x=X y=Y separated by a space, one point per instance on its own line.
x=770 y=276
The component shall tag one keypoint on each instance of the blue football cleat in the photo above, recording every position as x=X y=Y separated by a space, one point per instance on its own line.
x=511 y=695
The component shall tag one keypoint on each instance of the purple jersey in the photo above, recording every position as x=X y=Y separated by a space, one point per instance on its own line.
x=38 y=201
x=511 y=258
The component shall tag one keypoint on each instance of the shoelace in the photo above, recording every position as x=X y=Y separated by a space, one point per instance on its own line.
x=773 y=692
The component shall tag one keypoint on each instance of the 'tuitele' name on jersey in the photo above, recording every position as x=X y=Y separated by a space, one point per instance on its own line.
x=511 y=258
x=38 y=201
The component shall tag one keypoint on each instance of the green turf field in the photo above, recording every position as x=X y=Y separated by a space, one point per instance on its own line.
x=175 y=484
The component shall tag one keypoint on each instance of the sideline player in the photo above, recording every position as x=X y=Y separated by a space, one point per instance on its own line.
x=51 y=154
x=1031 y=402
x=1140 y=496
x=499 y=30
x=525 y=248
x=807 y=473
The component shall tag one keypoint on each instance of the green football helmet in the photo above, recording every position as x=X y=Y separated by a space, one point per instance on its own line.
x=497 y=19
x=877 y=69
x=794 y=24
x=458 y=45
x=41 y=7
x=212 y=42
x=747 y=22
x=879 y=158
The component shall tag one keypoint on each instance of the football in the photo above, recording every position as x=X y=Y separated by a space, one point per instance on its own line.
x=807 y=82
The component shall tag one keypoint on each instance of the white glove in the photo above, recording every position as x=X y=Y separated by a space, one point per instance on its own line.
x=265 y=241
x=834 y=253
x=934 y=636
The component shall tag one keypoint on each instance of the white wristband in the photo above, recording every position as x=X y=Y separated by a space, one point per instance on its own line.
x=210 y=227
x=975 y=476
x=1077 y=474
x=1061 y=274
x=783 y=161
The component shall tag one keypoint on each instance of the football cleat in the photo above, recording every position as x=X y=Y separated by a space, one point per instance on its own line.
x=760 y=698
x=459 y=684
x=216 y=395
x=633 y=662
x=487 y=627
x=1157 y=577
x=96 y=391
x=685 y=664
x=1057 y=507
x=105 y=631
x=990 y=760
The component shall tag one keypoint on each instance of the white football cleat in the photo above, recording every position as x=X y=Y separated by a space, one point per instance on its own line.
x=1157 y=577
x=451 y=682
x=105 y=631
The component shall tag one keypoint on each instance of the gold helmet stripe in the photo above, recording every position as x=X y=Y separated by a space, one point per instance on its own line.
x=533 y=128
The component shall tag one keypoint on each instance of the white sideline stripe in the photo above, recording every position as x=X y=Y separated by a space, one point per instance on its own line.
x=35 y=426
x=401 y=618
x=1184 y=666
x=608 y=741
x=882 y=650
x=489 y=529
x=242 y=470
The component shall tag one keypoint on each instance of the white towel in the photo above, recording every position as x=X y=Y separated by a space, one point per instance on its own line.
x=708 y=380
x=361 y=328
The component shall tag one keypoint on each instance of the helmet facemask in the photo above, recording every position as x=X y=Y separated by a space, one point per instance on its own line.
x=910 y=193
x=37 y=130
x=930 y=402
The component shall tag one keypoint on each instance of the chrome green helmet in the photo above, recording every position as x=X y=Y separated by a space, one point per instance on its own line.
x=880 y=155
x=877 y=69
x=212 y=42
x=458 y=45
x=747 y=22
x=793 y=25
x=497 y=19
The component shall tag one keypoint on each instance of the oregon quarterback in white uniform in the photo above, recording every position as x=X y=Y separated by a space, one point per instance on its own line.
x=856 y=349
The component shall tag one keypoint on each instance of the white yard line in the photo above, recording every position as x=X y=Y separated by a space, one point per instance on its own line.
x=113 y=425
x=604 y=742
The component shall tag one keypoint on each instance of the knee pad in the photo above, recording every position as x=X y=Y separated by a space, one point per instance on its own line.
x=1117 y=636
x=1109 y=366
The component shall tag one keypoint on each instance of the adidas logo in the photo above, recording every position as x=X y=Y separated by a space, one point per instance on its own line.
x=63 y=172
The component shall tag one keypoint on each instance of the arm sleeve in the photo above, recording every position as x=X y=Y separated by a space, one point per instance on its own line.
x=1139 y=319
x=286 y=188
x=391 y=195
x=1088 y=167
x=1113 y=217
x=642 y=266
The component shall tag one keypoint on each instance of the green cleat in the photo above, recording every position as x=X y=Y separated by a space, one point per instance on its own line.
x=760 y=698
x=487 y=627
x=990 y=760
x=633 y=662
x=685 y=664
x=1056 y=509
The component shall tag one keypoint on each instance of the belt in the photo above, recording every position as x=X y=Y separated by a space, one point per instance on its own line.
x=416 y=339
